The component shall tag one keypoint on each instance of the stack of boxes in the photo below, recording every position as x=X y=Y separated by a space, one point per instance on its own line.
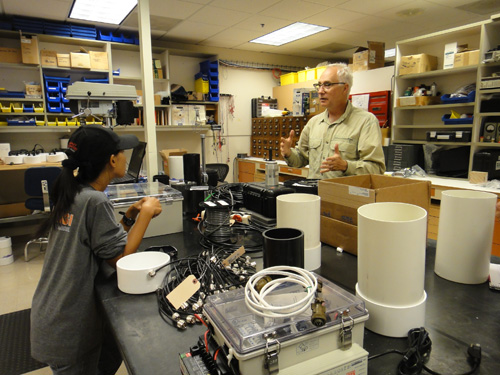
x=210 y=69
x=55 y=91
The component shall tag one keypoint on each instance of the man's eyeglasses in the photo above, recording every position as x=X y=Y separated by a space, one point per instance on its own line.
x=327 y=85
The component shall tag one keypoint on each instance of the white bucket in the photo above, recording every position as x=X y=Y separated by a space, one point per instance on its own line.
x=6 y=256
x=141 y=273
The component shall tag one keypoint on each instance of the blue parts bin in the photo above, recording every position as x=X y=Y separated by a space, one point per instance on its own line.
x=457 y=121
x=55 y=93
x=470 y=97
x=210 y=69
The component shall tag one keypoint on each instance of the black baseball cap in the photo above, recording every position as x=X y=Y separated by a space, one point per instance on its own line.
x=91 y=141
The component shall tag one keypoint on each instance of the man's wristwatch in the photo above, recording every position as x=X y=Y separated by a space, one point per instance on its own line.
x=128 y=221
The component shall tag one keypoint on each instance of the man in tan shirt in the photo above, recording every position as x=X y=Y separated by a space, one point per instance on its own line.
x=341 y=141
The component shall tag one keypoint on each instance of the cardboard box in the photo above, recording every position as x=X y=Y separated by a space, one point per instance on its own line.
x=412 y=64
x=195 y=96
x=197 y=115
x=466 y=58
x=372 y=57
x=314 y=103
x=49 y=58
x=80 y=60
x=63 y=60
x=404 y=101
x=29 y=50
x=170 y=152
x=99 y=60
x=341 y=197
x=339 y=234
x=33 y=91
x=180 y=115
x=10 y=55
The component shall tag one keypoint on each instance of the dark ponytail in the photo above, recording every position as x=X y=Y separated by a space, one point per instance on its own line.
x=67 y=186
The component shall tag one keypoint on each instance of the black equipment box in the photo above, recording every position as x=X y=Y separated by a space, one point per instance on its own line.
x=258 y=103
x=487 y=161
x=449 y=136
x=261 y=199
x=453 y=162
x=401 y=156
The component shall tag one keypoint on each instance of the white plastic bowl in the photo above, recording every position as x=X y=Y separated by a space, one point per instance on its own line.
x=138 y=273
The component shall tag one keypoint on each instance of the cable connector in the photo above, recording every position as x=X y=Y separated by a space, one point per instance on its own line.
x=474 y=354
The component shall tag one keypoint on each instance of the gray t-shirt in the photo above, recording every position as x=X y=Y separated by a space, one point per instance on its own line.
x=65 y=323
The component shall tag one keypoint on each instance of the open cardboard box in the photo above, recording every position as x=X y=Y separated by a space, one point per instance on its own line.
x=341 y=197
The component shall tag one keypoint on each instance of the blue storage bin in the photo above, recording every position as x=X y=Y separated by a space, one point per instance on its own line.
x=57 y=79
x=208 y=66
x=95 y=80
x=51 y=86
x=201 y=75
x=11 y=94
x=66 y=109
x=116 y=38
x=104 y=36
x=17 y=122
x=28 y=108
x=53 y=97
x=54 y=108
x=457 y=121
x=63 y=99
x=213 y=97
x=445 y=99
x=63 y=87
x=212 y=90
x=129 y=40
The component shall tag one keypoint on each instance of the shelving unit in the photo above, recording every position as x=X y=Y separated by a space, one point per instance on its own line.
x=411 y=123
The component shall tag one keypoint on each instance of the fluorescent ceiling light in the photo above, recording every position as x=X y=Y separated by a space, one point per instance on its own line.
x=289 y=33
x=105 y=11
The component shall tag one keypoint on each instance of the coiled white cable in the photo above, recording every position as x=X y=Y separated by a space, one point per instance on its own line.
x=256 y=301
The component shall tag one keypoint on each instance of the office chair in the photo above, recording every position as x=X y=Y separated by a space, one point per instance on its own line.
x=222 y=170
x=38 y=182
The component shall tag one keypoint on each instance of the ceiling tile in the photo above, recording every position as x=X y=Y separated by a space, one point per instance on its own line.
x=253 y=6
x=193 y=31
x=218 y=16
x=173 y=8
x=294 y=10
x=334 y=17
x=48 y=9
x=371 y=7
x=262 y=24
x=156 y=22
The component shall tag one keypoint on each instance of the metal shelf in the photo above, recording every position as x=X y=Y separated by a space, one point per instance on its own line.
x=435 y=106
x=440 y=126
x=424 y=142
x=439 y=73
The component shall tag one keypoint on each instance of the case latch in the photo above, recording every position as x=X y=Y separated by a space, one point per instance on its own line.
x=271 y=363
x=346 y=325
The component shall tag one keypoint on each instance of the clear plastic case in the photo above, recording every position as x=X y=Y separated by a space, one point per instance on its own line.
x=126 y=194
x=245 y=330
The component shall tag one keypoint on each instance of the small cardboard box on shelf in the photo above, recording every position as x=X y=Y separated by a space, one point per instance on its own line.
x=29 y=50
x=420 y=63
x=369 y=58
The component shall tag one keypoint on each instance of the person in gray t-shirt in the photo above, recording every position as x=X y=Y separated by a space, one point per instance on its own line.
x=67 y=331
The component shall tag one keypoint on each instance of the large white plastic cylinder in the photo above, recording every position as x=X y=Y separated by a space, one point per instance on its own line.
x=176 y=167
x=391 y=266
x=466 y=224
x=6 y=256
x=302 y=211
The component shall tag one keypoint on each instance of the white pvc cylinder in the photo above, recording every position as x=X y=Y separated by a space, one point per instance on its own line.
x=466 y=224
x=391 y=266
x=6 y=256
x=176 y=167
x=302 y=211
x=56 y=157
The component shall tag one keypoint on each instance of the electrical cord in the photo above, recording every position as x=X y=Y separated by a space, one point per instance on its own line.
x=256 y=293
x=418 y=354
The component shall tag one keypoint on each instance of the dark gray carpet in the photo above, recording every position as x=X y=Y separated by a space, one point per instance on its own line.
x=15 y=357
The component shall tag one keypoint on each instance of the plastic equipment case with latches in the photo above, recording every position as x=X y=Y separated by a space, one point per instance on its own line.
x=292 y=345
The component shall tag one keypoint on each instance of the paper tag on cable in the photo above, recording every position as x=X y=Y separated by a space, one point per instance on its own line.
x=183 y=291
x=231 y=258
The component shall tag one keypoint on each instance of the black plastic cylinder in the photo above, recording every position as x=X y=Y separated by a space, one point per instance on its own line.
x=192 y=168
x=283 y=247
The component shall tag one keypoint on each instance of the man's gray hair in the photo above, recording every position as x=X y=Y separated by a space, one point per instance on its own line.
x=344 y=73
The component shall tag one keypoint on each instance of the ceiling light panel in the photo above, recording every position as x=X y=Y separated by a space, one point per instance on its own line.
x=105 y=11
x=289 y=33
